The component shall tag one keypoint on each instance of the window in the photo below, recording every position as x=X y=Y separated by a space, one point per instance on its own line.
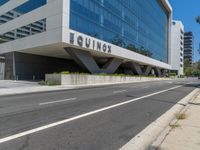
x=24 y=31
x=22 y=9
x=141 y=23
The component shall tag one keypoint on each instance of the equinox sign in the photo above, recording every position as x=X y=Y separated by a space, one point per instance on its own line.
x=90 y=43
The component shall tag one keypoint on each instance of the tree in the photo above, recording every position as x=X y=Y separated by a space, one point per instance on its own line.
x=198 y=65
x=117 y=40
x=198 y=19
x=145 y=52
x=188 y=71
x=187 y=67
x=187 y=63
x=132 y=48
x=196 y=69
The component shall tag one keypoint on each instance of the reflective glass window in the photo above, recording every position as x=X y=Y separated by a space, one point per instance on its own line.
x=137 y=25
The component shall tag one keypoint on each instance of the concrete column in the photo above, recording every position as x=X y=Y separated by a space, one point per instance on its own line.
x=147 y=70
x=136 y=68
x=10 y=65
x=112 y=65
x=157 y=72
x=2 y=68
x=84 y=59
x=163 y=72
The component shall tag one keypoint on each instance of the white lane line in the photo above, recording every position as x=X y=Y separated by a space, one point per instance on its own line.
x=15 y=136
x=59 y=101
x=115 y=92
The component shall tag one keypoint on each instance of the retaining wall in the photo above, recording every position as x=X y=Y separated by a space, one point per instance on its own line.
x=76 y=79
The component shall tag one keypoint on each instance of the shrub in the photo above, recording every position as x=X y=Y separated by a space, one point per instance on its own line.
x=172 y=74
x=48 y=83
x=65 y=72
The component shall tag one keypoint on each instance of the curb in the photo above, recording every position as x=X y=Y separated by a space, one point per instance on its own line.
x=158 y=128
x=156 y=144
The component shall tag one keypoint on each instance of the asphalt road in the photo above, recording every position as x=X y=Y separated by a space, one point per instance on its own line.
x=101 y=118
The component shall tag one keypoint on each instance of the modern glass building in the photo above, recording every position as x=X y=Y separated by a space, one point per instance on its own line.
x=138 y=25
x=96 y=36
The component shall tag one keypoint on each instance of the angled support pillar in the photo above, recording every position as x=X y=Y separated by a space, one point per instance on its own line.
x=157 y=72
x=147 y=70
x=84 y=59
x=112 y=65
x=137 y=68
x=163 y=72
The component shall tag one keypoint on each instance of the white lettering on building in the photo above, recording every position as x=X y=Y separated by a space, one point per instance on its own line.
x=87 y=42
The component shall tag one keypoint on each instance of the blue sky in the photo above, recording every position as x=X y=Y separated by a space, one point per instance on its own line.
x=186 y=11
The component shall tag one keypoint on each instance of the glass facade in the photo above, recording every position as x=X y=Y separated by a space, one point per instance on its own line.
x=137 y=25
x=30 y=29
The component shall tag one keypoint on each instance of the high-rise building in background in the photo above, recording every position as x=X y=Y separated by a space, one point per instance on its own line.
x=95 y=36
x=188 y=46
x=177 y=45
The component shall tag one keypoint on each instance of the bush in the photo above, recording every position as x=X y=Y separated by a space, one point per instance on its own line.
x=65 y=72
x=47 y=83
x=172 y=74
x=105 y=74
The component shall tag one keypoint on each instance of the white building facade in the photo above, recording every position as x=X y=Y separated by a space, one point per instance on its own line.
x=177 y=47
x=46 y=36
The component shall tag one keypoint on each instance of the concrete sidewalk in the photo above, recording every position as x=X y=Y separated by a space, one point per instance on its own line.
x=184 y=132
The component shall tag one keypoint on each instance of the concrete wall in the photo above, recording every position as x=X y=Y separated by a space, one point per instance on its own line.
x=76 y=79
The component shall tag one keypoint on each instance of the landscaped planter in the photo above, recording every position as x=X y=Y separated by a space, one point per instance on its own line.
x=79 y=79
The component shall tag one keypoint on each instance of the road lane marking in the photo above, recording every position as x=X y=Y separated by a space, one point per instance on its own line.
x=115 y=92
x=18 y=135
x=59 y=101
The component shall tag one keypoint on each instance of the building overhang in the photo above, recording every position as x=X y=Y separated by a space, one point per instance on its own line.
x=110 y=50
x=56 y=48
x=52 y=42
